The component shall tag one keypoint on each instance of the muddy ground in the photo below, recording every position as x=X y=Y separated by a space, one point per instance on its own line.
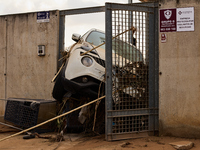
x=83 y=141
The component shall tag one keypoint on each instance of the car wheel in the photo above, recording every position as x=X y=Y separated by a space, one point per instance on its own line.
x=58 y=89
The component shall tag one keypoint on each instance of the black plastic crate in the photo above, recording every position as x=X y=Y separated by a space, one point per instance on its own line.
x=26 y=113
x=22 y=113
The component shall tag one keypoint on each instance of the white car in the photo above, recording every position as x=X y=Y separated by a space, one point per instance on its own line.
x=82 y=74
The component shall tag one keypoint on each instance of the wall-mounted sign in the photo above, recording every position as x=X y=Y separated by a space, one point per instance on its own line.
x=185 y=19
x=177 y=19
x=43 y=16
x=167 y=20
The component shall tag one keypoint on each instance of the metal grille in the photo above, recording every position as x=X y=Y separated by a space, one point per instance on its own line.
x=127 y=90
x=130 y=124
x=130 y=62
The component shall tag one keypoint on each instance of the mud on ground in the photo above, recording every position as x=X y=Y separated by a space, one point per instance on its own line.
x=87 y=142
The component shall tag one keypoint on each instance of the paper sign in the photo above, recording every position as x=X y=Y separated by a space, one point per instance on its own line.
x=185 y=19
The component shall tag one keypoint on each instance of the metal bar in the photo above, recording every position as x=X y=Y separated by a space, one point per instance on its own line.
x=130 y=25
x=132 y=7
x=156 y=64
x=124 y=136
x=153 y=68
x=108 y=68
x=11 y=126
x=147 y=37
x=61 y=38
x=148 y=113
x=132 y=112
x=83 y=10
x=133 y=115
x=147 y=4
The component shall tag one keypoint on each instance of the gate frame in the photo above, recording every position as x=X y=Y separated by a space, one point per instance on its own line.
x=153 y=58
x=152 y=111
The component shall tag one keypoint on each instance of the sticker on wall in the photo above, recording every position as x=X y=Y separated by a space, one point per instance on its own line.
x=43 y=16
x=177 y=19
x=163 y=38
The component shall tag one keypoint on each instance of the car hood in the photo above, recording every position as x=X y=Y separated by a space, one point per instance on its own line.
x=116 y=59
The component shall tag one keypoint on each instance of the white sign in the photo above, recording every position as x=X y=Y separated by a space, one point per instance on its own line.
x=185 y=19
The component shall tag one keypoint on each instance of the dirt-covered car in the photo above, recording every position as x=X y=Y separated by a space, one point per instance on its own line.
x=83 y=74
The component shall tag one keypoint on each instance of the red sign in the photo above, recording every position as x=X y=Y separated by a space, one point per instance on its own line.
x=167 y=20
x=163 y=38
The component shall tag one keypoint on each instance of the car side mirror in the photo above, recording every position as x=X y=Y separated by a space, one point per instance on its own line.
x=76 y=37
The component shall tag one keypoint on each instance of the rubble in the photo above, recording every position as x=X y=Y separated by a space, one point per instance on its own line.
x=182 y=145
x=125 y=144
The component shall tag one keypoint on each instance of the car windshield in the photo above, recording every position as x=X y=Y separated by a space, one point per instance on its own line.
x=96 y=38
x=119 y=47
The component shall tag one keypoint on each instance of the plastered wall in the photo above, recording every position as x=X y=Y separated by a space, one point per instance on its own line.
x=2 y=62
x=24 y=74
x=179 y=80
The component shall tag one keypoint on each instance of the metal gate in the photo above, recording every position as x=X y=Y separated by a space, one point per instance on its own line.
x=131 y=70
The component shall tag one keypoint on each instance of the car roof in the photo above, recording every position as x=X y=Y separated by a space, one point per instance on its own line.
x=91 y=30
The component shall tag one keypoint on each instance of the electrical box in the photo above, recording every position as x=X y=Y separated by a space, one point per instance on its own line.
x=41 y=50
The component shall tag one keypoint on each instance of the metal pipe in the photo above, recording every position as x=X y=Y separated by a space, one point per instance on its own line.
x=14 y=127
x=11 y=126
